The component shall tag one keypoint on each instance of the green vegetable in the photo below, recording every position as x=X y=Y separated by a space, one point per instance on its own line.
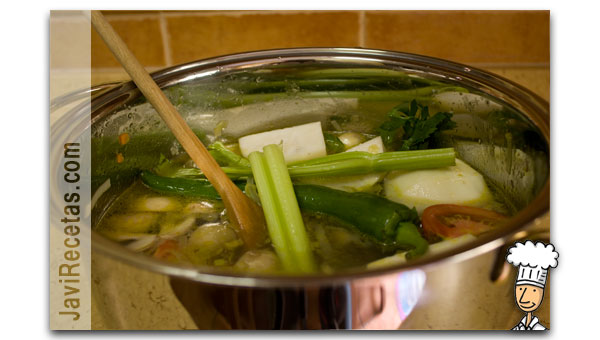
x=183 y=186
x=388 y=223
x=360 y=162
x=226 y=157
x=282 y=213
x=351 y=163
x=226 y=101
x=251 y=191
x=333 y=143
x=412 y=128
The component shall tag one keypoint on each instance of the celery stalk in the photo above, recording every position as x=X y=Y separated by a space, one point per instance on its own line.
x=289 y=209
x=274 y=219
x=358 y=162
x=351 y=163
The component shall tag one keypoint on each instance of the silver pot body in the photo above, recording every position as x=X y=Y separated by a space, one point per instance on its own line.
x=444 y=283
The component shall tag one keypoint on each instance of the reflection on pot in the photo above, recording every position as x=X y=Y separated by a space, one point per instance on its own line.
x=372 y=303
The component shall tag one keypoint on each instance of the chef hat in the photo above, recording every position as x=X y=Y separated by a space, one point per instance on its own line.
x=533 y=261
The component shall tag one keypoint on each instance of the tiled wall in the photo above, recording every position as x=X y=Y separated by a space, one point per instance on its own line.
x=488 y=39
x=476 y=37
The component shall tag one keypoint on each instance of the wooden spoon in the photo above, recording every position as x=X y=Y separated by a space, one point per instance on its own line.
x=244 y=213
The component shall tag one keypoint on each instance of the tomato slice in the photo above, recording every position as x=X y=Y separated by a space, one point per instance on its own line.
x=451 y=220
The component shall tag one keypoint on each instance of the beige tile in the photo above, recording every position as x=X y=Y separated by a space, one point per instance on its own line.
x=116 y=13
x=142 y=36
x=108 y=76
x=533 y=78
x=463 y=36
x=200 y=36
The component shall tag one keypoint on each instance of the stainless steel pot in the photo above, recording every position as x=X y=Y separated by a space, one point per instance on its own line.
x=360 y=299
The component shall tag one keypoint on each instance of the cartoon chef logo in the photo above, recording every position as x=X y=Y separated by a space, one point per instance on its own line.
x=533 y=262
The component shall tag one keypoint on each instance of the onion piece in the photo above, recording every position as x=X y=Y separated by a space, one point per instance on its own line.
x=209 y=240
x=143 y=243
x=171 y=230
x=156 y=204
x=200 y=207
x=122 y=237
x=351 y=139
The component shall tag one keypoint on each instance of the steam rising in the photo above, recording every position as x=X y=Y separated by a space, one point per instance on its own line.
x=532 y=255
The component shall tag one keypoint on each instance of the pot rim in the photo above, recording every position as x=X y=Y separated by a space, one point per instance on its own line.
x=535 y=109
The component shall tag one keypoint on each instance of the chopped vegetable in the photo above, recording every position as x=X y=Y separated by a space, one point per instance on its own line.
x=373 y=146
x=168 y=250
x=201 y=207
x=333 y=144
x=209 y=241
x=123 y=138
x=413 y=129
x=142 y=243
x=299 y=143
x=282 y=213
x=218 y=130
x=156 y=204
x=459 y=184
x=351 y=139
x=174 y=228
x=390 y=224
x=226 y=157
x=450 y=220
x=257 y=260
x=251 y=191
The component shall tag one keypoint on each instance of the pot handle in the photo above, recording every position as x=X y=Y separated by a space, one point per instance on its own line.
x=538 y=230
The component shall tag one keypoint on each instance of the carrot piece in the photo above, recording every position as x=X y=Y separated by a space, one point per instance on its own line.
x=123 y=138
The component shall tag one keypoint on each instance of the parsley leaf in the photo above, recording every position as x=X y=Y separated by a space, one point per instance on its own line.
x=412 y=128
